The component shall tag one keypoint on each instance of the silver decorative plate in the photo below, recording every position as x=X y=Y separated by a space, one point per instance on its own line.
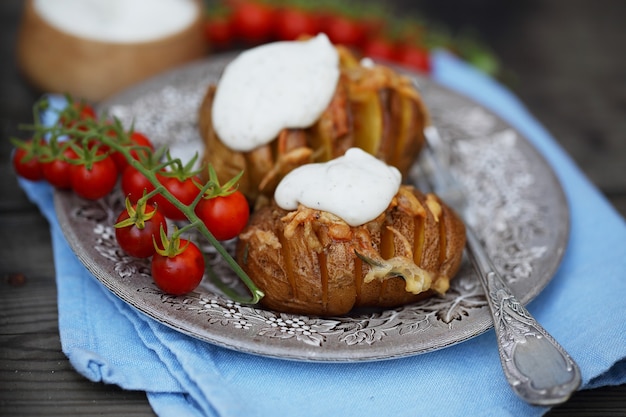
x=517 y=205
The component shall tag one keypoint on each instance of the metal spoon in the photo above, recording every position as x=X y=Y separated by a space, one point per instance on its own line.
x=538 y=369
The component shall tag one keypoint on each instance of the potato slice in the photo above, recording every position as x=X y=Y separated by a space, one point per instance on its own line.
x=367 y=108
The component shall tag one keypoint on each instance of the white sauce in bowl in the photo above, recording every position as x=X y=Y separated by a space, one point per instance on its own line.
x=272 y=87
x=118 y=21
x=356 y=187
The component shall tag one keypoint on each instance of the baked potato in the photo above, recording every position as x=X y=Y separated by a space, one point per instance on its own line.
x=312 y=262
x=373 y=108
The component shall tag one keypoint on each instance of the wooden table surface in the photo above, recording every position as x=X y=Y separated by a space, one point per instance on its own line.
x=565 y=60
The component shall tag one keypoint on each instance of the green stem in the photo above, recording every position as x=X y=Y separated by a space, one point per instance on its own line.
x=194 y=221
x=144 y=199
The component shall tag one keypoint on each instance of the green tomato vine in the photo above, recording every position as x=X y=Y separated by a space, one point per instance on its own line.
x=96 y=133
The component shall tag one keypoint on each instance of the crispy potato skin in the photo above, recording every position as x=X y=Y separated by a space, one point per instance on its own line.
x=373 y=108
x=305 y=261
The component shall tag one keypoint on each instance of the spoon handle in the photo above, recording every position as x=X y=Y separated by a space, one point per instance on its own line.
x=538 y=369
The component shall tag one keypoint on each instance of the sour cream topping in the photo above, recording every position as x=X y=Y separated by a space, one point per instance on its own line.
x=356 y=187
x=274 y=86
x=118 y=21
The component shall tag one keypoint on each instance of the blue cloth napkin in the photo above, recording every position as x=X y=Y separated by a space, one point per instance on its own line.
x=583 y=307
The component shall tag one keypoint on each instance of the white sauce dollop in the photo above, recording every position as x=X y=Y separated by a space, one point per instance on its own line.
x=272 y=87
x=119 y=21
x=356 y=187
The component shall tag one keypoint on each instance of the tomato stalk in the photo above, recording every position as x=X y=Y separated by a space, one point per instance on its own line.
x=172 y=244
x=218 y=190
x=136 y=216
x=86 y=156
x=194 y=222
x=92 y=130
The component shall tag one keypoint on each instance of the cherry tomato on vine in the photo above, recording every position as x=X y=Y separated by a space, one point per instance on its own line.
x=86 y=111
x=379 y=48
x=58 y=171
x=373 y=24
x=74 y=115
x=219 y=32
x=291 y=22
x=414 y=57
x=134 y=184
x=252 y=21
x=26 y=161
x=77 y=111
x=136 y=238
x=179 y=273
x=136 y=139
x=184 y=190
x=224 y=216
x=343 y=30
x=94 y=181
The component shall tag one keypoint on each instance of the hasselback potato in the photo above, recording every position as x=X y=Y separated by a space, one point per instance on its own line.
x=311 y=262
x=373 y=108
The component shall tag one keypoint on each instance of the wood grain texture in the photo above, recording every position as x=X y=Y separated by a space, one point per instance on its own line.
x=582 y=105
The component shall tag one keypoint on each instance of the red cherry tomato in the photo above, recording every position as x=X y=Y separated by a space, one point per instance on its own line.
x=86 y=111
x=414 y=57
x=94 y=182
x=224 y=216
x=379 y=48
x=253 y=21
x=58 y=172
x=74 y=115
x=185 y=191
x=77 y=111
x=373 y=24
x=137 y=239
x=219 y=32
x=291 y=23
x=134 y=184
x=181 y=273
x=342 y=30
x=26 y=162
x=136 y=139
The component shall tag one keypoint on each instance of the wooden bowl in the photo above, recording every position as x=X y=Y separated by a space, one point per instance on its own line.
x=54 y=60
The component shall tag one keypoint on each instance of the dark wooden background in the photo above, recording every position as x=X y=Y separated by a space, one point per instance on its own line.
x=564 y=59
